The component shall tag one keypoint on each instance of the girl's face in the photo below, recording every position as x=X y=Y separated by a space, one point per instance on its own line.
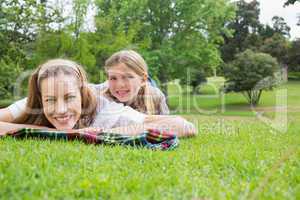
x=61 y=100
x=124 y=83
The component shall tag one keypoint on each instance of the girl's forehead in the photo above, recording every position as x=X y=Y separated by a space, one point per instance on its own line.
x=120 y=68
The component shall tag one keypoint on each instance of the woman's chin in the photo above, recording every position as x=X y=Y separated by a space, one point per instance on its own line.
x=66 y=126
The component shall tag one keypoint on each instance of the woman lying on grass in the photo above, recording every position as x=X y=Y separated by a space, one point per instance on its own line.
x=127 y=83
x=60 y=98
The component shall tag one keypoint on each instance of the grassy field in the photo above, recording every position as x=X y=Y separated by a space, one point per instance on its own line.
x=234 y=156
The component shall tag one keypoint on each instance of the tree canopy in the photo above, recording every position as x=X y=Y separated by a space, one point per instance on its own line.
x=251 y=73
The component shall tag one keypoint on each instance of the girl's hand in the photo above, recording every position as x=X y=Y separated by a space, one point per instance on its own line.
x=91 y=130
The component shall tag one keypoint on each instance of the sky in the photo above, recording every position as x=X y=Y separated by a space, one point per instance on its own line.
x=270 y=8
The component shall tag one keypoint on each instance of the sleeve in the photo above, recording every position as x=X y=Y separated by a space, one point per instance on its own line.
x=162 y=107
x=98 y=88
x=111 y=114
x=17 y=108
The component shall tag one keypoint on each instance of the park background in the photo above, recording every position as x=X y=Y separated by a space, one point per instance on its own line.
x=237 y=79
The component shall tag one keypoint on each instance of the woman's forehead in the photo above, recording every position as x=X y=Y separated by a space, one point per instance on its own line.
x=59 y=84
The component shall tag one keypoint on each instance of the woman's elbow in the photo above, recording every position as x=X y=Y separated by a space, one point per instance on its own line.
x=5 y=115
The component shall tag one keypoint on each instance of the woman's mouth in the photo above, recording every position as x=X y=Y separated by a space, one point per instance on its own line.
x=63 y=119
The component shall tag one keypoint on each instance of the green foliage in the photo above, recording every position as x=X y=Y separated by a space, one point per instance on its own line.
x=289 y=2
x=9 y=71
x=194 y=78
x=280 y=26
x=294 y=56
x=160 y=30
x=277 y=46
x=251 y=73
x=245 y=26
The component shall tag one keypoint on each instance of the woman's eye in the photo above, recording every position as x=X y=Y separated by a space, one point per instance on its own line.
x=71 y=98
x=49 y=100
x=112 y=78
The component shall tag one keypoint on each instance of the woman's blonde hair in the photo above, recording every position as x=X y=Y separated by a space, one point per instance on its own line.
x=34 y=109
x=145 y=101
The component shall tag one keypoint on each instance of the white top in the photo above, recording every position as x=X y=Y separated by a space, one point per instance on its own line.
x=17 y=108
x=110 y=114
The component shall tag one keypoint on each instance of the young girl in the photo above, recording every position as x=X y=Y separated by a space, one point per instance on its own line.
x=127 y=75
x=59 y=97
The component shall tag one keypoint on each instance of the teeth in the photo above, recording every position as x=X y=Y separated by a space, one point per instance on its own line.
x=62 y=119
x=122 y=92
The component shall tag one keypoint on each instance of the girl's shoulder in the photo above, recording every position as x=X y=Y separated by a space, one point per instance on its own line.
x=98 y=89
x=156 y=92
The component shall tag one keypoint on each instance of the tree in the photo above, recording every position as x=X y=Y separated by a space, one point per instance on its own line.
x=251 y=73
x=280 y=26
x=194 y=78
x=289 y=2
x=277 y=46
x=294 y=56
x=172 y=35
x=20 y=21
x=245 y=25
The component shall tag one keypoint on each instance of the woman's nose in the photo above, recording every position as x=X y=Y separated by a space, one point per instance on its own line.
x=61 y=107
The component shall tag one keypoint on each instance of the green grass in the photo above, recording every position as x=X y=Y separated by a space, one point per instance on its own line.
x=234 y=156
x=232 y=159
x=210 y=102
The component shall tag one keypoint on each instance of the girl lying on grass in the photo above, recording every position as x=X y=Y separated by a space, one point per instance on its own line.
x=127 y=75
x=60 y=98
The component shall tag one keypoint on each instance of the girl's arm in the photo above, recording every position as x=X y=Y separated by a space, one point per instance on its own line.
x=176 y=124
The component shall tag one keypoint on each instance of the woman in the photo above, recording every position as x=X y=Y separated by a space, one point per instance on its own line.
x=127 y=75
x=59 y=97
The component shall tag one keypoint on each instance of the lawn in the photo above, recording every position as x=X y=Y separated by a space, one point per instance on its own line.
x=234 y=156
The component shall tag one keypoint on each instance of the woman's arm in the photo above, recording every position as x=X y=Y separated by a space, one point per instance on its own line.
x=6 y=127
x=176 y=124
x=5 y=115
x=15 y=110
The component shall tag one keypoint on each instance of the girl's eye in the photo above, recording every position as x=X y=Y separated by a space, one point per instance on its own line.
x=112 y=78
x=130 y=76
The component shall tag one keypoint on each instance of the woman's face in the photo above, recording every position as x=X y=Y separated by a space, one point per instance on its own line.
x=124 y=83
x=61 y=100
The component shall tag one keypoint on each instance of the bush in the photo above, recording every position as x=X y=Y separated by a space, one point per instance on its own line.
x=251 y=73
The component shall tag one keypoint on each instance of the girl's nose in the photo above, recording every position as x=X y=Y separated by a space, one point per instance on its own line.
x=121 y=83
